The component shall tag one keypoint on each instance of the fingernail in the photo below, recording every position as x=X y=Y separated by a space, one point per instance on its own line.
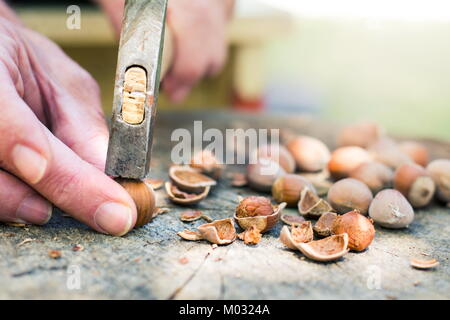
x=114 y=218
x=34 y=209
x=31 y=164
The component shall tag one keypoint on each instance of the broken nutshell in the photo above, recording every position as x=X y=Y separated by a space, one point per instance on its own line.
x=310 y=205
x=323 y=226
x=218 y=232
x=424 y=264
x=298 y=234
x=291 y=219
x=192 y=215
x=250 y=236
x=184 y=198
x=190 y=180
x=327 y=249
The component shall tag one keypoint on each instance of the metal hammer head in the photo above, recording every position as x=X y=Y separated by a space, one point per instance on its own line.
x=136 y=89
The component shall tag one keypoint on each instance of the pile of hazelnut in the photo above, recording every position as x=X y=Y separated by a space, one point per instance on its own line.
x=369 y=178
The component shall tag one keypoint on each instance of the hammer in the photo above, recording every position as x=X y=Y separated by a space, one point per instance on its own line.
x=135 y=99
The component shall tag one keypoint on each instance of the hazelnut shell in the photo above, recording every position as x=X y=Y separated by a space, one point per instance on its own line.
x=323 y=226
x=189 y=179
x=262 y=223
x=327 y=249
x=186 y=201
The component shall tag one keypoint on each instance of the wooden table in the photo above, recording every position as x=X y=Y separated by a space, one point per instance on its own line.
x=147 y=263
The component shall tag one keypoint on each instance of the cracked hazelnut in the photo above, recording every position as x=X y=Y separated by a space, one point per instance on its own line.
x=218 y=232
x=254 y=206
x=440 y=172
x=288 y=189
x=359 y=134
x=299 y=233
x=390 y=209
x=262 y=175
x=251 y=235
x=416 y=151
x=350 y=194
x=345 y=159
x=360 y=230
x=310 y=154
x=414 y=182
x=374 y=174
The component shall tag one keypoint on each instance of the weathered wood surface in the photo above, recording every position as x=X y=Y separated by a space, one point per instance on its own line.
x=145 y=264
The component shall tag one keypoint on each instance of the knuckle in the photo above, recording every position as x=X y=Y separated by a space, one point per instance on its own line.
x=63 y=186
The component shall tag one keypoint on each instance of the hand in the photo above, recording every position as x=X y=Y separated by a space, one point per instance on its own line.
x=199 y=34
x=198 y=30
x=53 y=138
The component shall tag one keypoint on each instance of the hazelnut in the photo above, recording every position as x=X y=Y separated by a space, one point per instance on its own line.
x=387 y=151
x=324 y=224
x=440 y=172
x=262 y=175
x=345 y=159
x=414 y=182
x=144 y=199
x=254 y=206
x=288 y=189
x=390 y=209
x=374 y=174
x=207 y=163
x=350 y=194
x=360 y=134
x=416 y=151
x=310 y=154
x=279 y=154
x=360 y=230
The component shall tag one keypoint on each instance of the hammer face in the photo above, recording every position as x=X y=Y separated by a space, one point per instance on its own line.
x=141 y=44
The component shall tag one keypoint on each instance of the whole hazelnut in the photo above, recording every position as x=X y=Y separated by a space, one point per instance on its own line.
x=279 y=154
x=345 y=159
x=416 y=151
x=262 y=175
x=387 y=151
x=360 y=230
x=310 y=154
x=254 y=206
x=414 y=182
x=350 y=194
x=374 y=174
x=390 y=209
x=288 y=189
x=360 y=134
x=440 y=172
